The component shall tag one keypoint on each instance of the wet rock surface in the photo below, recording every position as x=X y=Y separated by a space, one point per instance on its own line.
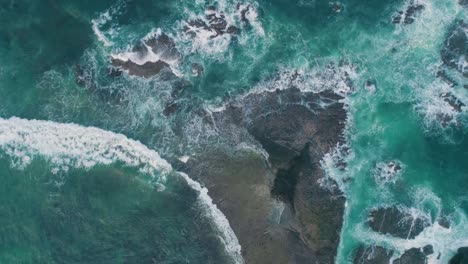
x=412 y=256
x=214 y=23
x=397 y=221
x=142 y=62
x=372 y=255
x=454 y=53
x=381 y=255
x=461 y=257
x=408 y=16
x=145 y=70
x=277 y=208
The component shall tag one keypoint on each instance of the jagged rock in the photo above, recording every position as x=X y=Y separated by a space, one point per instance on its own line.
x=453 y=101
x=145 y=70
x=412 y=256
x=139 y=63
x=455 y=50
x=428 y=250
x=461 y=257
x=442 y=74
x=380 y=255
x=408 y=16
x=214 y=22
x=444 y=222
x=372 y=255
x=296 y=129
x=397 y=222
x=164 y=46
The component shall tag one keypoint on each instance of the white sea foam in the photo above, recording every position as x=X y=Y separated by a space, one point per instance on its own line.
x=229 y=239
x=148 y=55
x=435 y=107
x=337 y=78
x=445 y=241
x=387 y=172
x=206 y=40
x=71 y=145
x=96 y=23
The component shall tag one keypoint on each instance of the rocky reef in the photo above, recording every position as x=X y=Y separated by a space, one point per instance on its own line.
x=277 y=203
x=380 y=255
x=397 y=222
x=408 y=16
x=148 y=57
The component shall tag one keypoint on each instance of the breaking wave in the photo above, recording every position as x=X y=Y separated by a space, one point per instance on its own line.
x=73 y=146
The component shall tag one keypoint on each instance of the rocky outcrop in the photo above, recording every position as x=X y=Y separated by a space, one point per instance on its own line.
x=279 y=210
x=372 y=255
x=148 y=57
x=461 y=257
x=397 y=221
x=214 y=23
x=454 y=53
x=408 y=16
x=380 y=255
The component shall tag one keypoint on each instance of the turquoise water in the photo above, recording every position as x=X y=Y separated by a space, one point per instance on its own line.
x=43 y=45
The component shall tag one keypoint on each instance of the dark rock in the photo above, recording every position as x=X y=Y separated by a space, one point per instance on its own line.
x=170 y=108
x=412 y=256
x=456 y=47
x=464 y=3
x=442 y=74
x=461 y=257
x=407 y=16
x=453 y=101
x=244 y=14
x=372 y=255
x=380 y=255
x=146 y=70
x=160 y=44
x=233 y=30
x=397 y=222
x=428 y=250
x=296 y=129
x=296 y=138
x=115 y=72
x=444 y=222
x=164 y=46
x=214 y=22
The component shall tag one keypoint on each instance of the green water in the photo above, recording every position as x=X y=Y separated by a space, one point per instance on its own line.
x=42 y=44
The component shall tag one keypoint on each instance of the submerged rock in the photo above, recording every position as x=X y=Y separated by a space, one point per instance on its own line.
x=397 y=221
x=454 y=53
x=453 y=101
x=409 y=15
x=381 y=255
x=214 y=24
x=461 y=257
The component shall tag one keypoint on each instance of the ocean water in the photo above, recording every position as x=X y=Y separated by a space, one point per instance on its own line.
x=80 y=160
